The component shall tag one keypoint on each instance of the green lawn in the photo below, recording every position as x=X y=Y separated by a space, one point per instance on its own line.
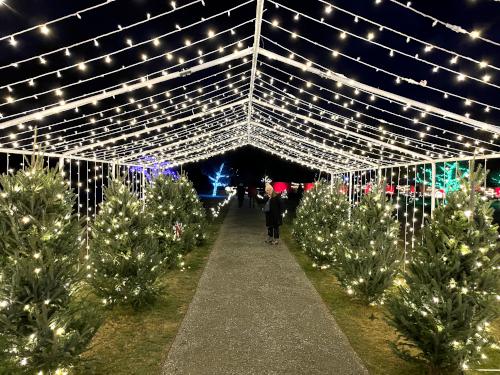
x=131 y=342
x=367 y=336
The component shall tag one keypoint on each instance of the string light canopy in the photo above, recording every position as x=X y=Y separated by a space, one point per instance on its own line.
x=333 y=87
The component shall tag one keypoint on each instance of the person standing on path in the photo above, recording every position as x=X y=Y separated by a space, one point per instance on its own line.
x=300 y=192
x=252 y=196
x=240 y=192
x=274 y=215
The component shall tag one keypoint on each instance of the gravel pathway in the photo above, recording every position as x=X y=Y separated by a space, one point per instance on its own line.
x=255 y=312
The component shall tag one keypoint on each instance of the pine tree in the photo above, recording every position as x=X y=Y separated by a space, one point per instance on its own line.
x=163 y=204
x=125 y=254
x=42 y=325
x=369 y=258
x=442 y=311
x=193 y=214
x=178 y=217
x=317 y=222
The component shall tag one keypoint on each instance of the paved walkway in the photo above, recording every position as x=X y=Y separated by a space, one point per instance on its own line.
x=255 y=312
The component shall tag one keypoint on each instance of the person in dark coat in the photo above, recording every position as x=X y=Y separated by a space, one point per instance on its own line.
x=300 y=192
x=274 y=215
x=252 y=196
x=240 y=192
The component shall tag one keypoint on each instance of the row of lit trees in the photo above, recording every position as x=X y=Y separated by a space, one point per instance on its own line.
x=47 y=282
x=443 y=302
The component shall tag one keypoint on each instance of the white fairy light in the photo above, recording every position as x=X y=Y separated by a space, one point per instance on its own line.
x=44 y=29
x=475 y=34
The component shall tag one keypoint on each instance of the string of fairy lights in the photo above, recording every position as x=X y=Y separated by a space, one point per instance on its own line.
x=135 y=124
x=43 y=27
x=398 y=79
x=304 y=152
x=474 y=34
x=149 y=105
x=428 y=47
x=342 y=147
x=354 y=99
x=96 y=41
x=175 y=138
x=58 y=92
x=371 y=39
x=360 y=125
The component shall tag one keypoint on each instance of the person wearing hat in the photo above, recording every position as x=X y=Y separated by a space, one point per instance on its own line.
x=274 y=215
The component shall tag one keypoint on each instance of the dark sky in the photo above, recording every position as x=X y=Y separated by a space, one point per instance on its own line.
x=250 y=162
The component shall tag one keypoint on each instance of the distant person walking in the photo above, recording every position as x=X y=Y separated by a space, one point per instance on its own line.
x=240 y=192
x=252 y=196
x=300 y=192
x=274 y=215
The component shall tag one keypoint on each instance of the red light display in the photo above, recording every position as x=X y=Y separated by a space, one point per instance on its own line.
x=308 y=186
x=280 y=187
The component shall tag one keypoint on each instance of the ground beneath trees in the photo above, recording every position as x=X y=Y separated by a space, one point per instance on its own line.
x=255 y=311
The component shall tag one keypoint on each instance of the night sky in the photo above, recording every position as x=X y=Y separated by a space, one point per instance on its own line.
x=249 y=163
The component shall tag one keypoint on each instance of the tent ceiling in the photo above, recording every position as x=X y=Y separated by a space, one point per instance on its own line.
x=196 y=79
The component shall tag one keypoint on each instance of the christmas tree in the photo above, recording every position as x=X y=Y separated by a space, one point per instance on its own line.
x=178 y=217
x=163 y=205
x=193 y=213
x=42 y=326
x=444 y=306
x=125 y=253
x=317 y=222
x=369 y=259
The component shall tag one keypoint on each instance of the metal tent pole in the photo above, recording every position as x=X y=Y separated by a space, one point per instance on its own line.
x=350 y=195
x=433 y=188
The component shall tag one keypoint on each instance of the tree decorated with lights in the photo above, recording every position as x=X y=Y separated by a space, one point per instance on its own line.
x=316 y=226
x=369 y=258
x=162 y=204
x=494 y=178
x=219 y=179
x=178 y=217
x=442 y=310
x=193 y=212
x=42 y=325
x=125 y=253
x=447 y=175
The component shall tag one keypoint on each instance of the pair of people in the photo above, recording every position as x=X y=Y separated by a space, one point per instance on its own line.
x=273 y=209
x=252 y=195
